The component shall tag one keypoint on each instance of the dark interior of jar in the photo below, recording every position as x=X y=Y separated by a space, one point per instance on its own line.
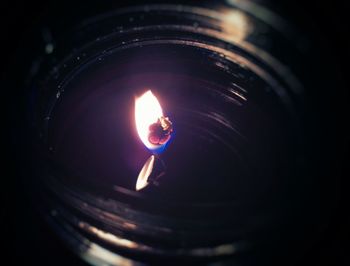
x=231 y=129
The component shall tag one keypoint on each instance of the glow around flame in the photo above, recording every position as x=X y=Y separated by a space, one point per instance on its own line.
x=147 y=112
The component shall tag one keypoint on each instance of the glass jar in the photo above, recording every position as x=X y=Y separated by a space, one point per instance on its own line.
x=242 y=171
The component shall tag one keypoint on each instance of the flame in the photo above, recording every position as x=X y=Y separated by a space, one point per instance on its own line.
x=147 y=112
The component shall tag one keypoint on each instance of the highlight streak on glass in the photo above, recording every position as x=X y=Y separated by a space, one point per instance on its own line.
x=146 y=171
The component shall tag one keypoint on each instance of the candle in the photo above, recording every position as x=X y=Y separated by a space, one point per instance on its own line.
x=154 y=129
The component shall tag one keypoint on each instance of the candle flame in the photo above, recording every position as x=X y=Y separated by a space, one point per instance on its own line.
x=147 y=112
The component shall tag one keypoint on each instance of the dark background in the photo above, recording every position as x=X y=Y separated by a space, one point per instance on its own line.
x=26 y=236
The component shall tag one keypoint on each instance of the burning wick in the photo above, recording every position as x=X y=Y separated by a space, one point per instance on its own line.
x=160 y=132
x=154 y=130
